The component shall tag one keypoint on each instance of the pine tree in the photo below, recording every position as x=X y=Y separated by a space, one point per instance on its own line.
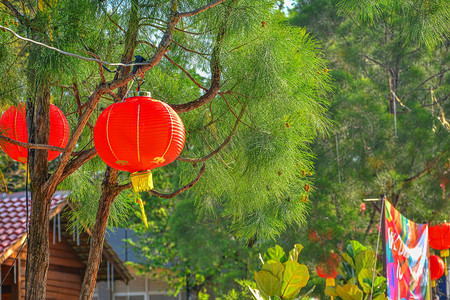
x=249 y=88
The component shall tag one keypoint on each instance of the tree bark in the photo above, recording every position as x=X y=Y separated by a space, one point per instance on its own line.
x=110 y=191
x=38 y=239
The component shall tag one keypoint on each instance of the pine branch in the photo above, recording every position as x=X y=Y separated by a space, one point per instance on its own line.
x=427 y=170
x=224 y=143
x=104 y=88
x=425 y=81
x=201 y=9
x=72 y=166
x=177 y=65
x=171 y=195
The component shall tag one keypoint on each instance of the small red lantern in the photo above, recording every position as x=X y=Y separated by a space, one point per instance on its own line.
x=436 y=269
x=328 y=269
x=13 y=125
x=138 y=135
x=439 y=238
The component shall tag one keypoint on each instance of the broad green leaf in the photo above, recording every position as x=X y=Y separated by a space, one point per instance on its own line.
x=365 y=280
x=268 y=284
x=357 y=247
x=275 y=268
x=295 y=277
x=275 y=253
x=380 y=297
x=364 y=260
x=349 y=292
x=293 y=254
x=348 y=259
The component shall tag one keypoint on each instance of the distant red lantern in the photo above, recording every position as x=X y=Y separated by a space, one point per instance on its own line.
x=328 y=269
x=13 y=125
x=138 y=135
x=436 y=269
x=439 y=239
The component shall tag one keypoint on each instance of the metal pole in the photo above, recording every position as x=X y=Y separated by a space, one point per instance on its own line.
x=59 y=227
x=54 y=230
x=107 y=275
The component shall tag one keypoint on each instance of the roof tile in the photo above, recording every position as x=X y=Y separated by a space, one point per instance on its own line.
x=13 y=217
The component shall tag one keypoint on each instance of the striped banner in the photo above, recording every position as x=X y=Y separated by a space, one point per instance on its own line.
x=406 y=257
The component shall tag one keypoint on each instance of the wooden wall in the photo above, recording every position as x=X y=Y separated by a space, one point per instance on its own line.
x=64 y=275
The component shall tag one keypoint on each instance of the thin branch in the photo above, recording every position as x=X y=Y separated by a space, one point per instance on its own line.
x=425 y=81
x=423 y=172
x=100 y=66
x=177 y=65
x=374 y=61
x=227 y=140
x=72 y=54
x=31 y=146
x=75 y=164
x=201 y=9
x=437 y=102
x=182 y=189
x=114 y=22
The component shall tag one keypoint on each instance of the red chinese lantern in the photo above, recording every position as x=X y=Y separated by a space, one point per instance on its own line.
x=13 y=125
x=328 y=269
x=138 y=135
x=439 y=239
x=436 y=269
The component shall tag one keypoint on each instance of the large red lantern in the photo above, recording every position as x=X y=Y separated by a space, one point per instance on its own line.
x=439 y=238
x=138 y=135
x=328 y=269
x=13 y=125
x=436 y=269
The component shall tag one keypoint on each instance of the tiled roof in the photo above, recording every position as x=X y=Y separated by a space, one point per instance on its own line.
x=13 y=216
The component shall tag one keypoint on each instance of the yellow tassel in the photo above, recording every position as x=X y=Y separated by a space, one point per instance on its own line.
x=144 y=216
x=433 y=283
x=330 y=282
x=444 y=255
x=142 y=181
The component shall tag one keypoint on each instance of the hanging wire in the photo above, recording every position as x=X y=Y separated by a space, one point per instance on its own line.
x=378 y=244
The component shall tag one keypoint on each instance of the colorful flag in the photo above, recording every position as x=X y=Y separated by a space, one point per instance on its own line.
x=406 y=257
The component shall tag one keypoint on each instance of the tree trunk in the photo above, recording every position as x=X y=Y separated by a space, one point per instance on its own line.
x=109 y=194
x=38 y=238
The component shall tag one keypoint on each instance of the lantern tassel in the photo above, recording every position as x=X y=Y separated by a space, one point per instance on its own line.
x=444 y=255
x=433 y=283
x=142 y=181
x=144 y=216
x=330 y=281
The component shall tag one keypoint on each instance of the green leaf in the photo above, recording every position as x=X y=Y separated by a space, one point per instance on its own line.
x=293 y=254
x=295 y=277
x=268 y=284
x=274 y=267
x=275 y=253
x=349 y=292
x=357 y=247
x=364 y=260
x=349 y=259
x=365 y=280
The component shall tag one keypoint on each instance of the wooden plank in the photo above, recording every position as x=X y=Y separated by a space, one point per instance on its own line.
x=53 y=275
x=59 y=296
x=68 y=262
x=65 y=284
x=63 y=290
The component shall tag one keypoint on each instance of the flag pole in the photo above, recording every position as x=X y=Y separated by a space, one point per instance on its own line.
x=383 y=232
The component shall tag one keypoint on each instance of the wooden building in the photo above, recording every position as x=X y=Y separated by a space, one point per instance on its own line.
x=68 y=251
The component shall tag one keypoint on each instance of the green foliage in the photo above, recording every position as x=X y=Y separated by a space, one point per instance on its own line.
x=280 y=278
x=356 y=275
x=191 y=255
